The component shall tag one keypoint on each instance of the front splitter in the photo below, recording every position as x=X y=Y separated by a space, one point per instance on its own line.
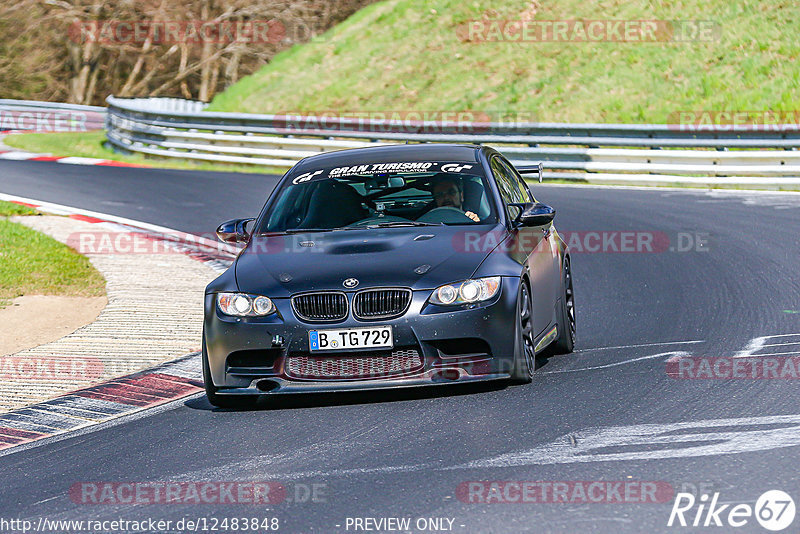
x=281 y=386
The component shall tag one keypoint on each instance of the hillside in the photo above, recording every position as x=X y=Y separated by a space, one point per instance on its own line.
x=400 y=55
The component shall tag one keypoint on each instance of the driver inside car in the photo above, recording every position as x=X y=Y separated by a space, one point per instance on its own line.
x=448 y=192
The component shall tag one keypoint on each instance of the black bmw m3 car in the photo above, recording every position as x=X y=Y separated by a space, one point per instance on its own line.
x=385 y=267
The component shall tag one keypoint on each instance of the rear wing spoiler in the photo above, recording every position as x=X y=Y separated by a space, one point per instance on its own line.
x=531 y=169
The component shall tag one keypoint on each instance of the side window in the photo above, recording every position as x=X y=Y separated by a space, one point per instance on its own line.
x=520 y=185
x=508 y=184
x=505 y=185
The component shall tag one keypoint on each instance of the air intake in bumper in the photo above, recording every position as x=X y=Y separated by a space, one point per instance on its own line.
x=368 y=366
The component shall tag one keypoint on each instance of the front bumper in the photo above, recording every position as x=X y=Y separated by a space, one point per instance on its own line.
x=248 y=356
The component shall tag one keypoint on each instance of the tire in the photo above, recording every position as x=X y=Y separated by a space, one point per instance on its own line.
x=566 y=320
x=222 y=401
x=524 y=354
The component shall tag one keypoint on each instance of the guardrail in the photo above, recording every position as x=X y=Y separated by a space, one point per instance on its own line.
x=32 y=116
x=602 y=153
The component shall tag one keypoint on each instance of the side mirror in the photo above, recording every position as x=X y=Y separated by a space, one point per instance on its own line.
x=535 y=214
x=234 y=231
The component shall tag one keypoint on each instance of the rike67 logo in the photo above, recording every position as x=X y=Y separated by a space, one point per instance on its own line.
x=774 y=510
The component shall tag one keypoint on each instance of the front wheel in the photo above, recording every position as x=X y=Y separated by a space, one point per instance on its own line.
x=524 y=353
x=566 y=321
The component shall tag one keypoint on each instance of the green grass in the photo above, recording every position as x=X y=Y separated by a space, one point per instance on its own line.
x=407 y=55
x=32 y=263
x=90 y=145
x=7 y=209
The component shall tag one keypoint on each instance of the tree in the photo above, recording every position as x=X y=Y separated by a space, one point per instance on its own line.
x=81 y=51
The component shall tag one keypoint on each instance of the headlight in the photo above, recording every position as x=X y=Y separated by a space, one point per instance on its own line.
x=244 y=305
x=466 y=292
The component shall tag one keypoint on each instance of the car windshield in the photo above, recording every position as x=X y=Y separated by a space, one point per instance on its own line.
x=381 y=195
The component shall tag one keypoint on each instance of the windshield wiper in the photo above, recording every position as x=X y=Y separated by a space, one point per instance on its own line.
x=392 y=224
x=316 y=230
x=307 y=230
x=389 y=224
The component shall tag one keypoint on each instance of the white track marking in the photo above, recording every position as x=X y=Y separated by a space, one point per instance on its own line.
x=766 y=354
x=61 y=209
x=657 y=441
x=77 y=160
x=674 y=354
x=758 y=343
x=47 y=500
x=642 y=345
x=711 y=437
x=754 y=345
x=19 y=156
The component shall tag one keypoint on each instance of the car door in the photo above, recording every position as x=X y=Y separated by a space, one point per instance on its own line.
x=531 y=246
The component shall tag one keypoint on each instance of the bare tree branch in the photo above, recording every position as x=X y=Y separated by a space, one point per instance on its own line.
x=72 y=50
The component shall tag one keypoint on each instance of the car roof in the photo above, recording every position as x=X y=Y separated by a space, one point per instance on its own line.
x=391 y=153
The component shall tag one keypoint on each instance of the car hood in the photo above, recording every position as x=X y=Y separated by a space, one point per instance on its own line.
x=416 y=257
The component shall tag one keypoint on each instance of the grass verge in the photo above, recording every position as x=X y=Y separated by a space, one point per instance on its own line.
x=8 y=209
x=32 y=263
x=402 y=55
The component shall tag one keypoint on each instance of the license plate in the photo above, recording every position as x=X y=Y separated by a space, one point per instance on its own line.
x=351 y=338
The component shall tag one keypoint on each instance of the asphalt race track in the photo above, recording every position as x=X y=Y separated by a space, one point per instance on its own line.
x=607 y=413
x=165 y=197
